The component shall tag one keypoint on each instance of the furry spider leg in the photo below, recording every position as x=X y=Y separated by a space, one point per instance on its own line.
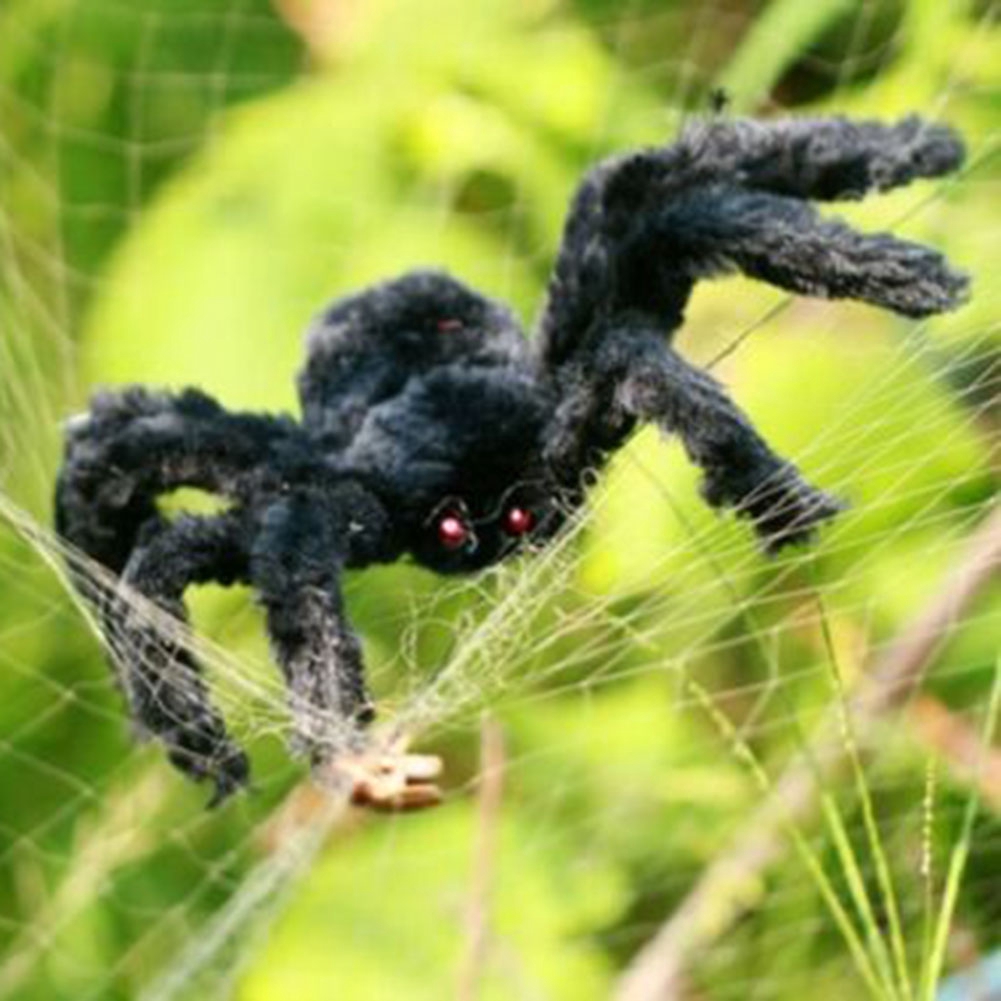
x=641 y=226
x=719 y=229
x=135 y=445
x=645 y=228
x=823 y=159
x=161 y=678
x=129 y=448
x=296 y=566
x=634 y=375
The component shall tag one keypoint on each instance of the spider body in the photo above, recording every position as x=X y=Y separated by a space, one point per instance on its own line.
x=432 y=426
x=446 y=422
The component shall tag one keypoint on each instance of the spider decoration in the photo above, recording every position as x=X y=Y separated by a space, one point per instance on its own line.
x=432 y=426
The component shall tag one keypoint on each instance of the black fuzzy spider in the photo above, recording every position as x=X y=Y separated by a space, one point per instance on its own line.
x=432 y=426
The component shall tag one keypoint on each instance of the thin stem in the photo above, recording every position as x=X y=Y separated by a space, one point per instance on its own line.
x=883 y=874
x=960 y=852
x=492 y=763
x=717 y=899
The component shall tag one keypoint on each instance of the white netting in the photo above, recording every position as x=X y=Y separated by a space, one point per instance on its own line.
x=181 y=186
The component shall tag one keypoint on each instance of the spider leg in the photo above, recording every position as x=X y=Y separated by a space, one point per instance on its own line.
x=729 y=196
x=162 y=679
x=632 y=374
x=822 y=158
x=133 y=445
x=296 y=566
x=783 y=241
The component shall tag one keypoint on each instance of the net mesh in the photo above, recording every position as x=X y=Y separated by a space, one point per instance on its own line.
x=664 y=757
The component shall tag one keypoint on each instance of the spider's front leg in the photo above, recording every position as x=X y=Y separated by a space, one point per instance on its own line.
x=305 y=541
x=632 y=374
x=297 y=561
x=733 y=196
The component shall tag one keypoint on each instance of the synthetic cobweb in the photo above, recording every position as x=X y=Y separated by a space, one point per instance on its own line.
x=183 y=185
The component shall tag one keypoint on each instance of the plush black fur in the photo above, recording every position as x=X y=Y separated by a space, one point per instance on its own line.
x=427 y=412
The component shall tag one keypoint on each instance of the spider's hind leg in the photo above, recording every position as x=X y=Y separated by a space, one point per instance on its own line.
x=133 y=445
x=130 y=446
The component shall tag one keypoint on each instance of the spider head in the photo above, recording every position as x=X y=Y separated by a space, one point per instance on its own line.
x=457 y=460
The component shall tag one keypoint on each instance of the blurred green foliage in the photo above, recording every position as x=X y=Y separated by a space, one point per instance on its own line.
x=183 y=185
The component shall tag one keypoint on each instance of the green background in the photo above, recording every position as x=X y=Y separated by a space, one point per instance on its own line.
x=183 y=184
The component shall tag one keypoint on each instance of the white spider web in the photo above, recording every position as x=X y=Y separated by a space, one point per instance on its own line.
x=596 y=658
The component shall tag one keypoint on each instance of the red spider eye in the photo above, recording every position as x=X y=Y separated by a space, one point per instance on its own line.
x=449 y=326
x=518 y=521
x=453 y=532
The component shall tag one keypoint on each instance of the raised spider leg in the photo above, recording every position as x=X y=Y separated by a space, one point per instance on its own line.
x=162 y=679
x=727 y=196
x=633 y=374
x=780 y=240
x=296 y=565
x=822 y=158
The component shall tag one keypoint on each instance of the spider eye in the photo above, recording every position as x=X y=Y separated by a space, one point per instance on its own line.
x=449 y=326
x=518 y=520
x=453 y=532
